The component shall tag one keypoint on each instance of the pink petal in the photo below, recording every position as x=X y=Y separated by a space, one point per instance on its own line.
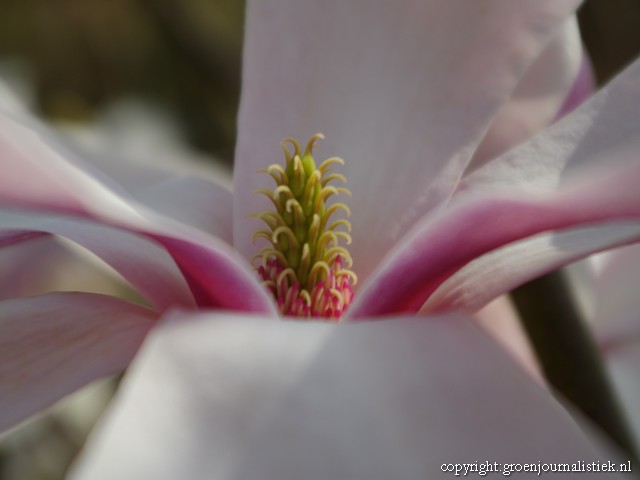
x=583 y=87
x=228 y=397
x=39 y=174
x=603 y=134
x=141 y=262
x=581 y=172
x=403 y=93
x=494 y=273
x=440 y=247
x=139 y=148
x=54 y=344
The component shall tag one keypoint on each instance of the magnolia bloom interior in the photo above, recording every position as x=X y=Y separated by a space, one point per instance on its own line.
x=458 y=226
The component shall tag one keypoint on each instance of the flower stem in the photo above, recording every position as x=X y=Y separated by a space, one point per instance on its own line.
x=569 y=356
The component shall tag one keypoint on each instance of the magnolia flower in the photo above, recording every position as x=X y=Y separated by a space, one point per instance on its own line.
x=419 y=99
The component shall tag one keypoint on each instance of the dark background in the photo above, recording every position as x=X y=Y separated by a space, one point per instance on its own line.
x=185 y=55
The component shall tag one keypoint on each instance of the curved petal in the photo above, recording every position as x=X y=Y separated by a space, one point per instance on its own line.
x=54 y=344
x=556 y=81
x=223 y=397
x=43 y=264
x=141 y=262
x=194 y=201
x=583 y=87
x=582 y=171
x=403 y=91
x=603 y=133
x=40 y=175
x=503 y=269
x=138 y=144
x=441 y=246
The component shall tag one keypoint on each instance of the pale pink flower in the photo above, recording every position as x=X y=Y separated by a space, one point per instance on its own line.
x=418 y=97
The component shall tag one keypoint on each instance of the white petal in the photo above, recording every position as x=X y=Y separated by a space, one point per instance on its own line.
x=226 y=397
x=539 y=96
x=403 y=91
x=52 y=345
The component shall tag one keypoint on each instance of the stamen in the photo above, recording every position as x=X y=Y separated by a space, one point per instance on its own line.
x=304 y=266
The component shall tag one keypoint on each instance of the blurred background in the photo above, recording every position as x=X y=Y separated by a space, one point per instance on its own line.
x=173 y=65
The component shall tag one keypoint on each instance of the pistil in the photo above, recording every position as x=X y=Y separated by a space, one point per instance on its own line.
x=305 y=265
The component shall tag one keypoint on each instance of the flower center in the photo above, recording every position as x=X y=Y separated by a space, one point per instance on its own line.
x=304 y=266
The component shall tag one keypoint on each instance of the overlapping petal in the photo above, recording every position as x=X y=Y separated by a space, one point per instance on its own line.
x=485 y=277
x=40 y=175
x=194 y=201
x=555 y=83
x=144 y=264
x=404 y=92
x=52 y=345
x=579 y=173
x=47 y=263
x=225 y=397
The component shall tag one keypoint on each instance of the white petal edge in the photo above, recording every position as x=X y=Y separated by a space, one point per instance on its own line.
x=505 y=268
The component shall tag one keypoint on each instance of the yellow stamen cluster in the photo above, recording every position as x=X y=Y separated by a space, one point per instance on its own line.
x=304 y=265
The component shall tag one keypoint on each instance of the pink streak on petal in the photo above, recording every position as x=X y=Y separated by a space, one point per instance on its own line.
x=598 y=142
x=55 y=344
x=438 y=248
x=10 y=237
x=216 y=281
x=403 y=93
x=38 y=174
x=583 y=87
